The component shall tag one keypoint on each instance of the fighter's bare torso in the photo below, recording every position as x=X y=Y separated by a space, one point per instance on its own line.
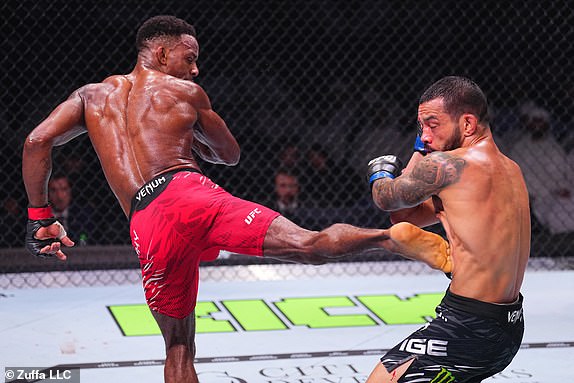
x=140 y=125
x=487 y=219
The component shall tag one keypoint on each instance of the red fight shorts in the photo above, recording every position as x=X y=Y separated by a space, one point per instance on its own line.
x=180 y=218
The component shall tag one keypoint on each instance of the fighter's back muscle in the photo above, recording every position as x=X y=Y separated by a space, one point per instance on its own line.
x=139 y=125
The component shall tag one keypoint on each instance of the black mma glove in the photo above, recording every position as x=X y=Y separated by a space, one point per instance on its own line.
x=388 y=166
x=40 y=217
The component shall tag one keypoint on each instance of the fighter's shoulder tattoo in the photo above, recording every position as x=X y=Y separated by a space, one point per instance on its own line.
x=438 y=170
x=433 y=173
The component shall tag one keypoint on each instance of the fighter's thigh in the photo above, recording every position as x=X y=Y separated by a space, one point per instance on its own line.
x=284 y=237
x=381 y=375
x=176 y=331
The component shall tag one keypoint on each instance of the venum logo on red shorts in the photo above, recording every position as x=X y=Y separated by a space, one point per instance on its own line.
x=252 y=215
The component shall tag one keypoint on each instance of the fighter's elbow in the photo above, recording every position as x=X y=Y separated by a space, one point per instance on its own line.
x=35 y=142
x=232 y=157
x=381 y=202
x=235 y=160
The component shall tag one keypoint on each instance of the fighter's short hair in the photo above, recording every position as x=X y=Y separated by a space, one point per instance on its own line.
x=162 y=25
x=460 y=95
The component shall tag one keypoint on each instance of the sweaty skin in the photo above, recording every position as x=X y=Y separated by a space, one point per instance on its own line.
x=140 y=125
x=479 y=196
x=156 y=119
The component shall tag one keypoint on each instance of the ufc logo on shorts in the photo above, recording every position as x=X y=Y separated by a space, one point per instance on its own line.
x=251 y=215
x=430 y=347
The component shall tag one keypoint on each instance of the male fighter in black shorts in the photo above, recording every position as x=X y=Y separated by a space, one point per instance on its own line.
x=458 y=176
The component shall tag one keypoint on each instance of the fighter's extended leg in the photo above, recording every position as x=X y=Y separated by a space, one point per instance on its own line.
x=179 y=335
x=287 y=241
x=417 y=244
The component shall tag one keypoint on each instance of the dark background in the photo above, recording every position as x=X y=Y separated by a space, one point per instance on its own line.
x=262 y=60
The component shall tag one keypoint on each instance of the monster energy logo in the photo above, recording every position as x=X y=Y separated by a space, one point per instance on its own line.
x=444 y=376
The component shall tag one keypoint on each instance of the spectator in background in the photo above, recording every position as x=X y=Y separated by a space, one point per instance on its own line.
x=547 y=171
x=303 y=191
x=76 y=165
x=77 y=218
x=284 y=153
x=289 y=156
x=12 y=222
x=286 y=196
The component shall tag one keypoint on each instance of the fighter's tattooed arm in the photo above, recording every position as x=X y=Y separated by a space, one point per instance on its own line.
x=432 y=174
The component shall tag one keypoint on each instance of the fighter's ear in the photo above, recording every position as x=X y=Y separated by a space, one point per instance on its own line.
x=469 y=123
x=161 y=55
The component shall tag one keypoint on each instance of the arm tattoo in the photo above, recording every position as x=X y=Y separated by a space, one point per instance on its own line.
x=434 y=173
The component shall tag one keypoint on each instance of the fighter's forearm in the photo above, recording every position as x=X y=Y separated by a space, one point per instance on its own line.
x=391 y=195
x=403 y=204
x=36 y=170
x=426 y=177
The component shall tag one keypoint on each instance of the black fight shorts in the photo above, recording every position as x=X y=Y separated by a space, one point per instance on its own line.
x=468 y=341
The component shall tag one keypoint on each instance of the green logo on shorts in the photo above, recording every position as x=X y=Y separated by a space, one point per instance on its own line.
x=444 y=376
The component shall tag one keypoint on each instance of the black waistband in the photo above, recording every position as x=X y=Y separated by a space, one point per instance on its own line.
x=151 y=189
x=504 y=313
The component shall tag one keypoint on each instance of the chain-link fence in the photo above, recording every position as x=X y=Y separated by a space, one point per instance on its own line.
x=314 y=88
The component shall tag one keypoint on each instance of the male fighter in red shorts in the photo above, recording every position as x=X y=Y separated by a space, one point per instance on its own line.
x=147 y=127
